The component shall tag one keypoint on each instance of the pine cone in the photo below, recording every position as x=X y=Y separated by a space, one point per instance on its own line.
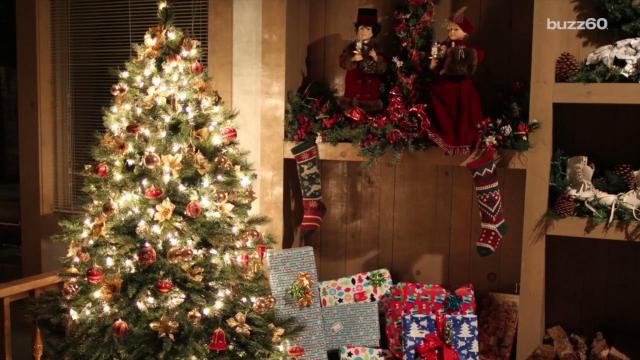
x=566 y=67
x=565 y=206
x=625 y=171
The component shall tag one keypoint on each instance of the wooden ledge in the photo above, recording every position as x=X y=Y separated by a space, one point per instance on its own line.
x=596 y=93
x=29 y=283
x=579 y=227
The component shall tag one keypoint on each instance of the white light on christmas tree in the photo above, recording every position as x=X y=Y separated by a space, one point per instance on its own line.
x=87 y=311
x=124 y=74
x=156 y=229
x=106 y=308
x=147 y=72
x=162 y=5
x=73 y=314
x=216 y=139
x=109 y=261
x=141 y=306
x=144 y=182
x=84 y=234
x=114 y=109
x=97 y=294
x=150 y=300
x=218 y=304
x=206 y=311
x=117 y=176
x=166 y=178
x=87 y=222
x=245 y=181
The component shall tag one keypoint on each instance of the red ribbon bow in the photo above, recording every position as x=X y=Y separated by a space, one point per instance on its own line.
x=434 y=347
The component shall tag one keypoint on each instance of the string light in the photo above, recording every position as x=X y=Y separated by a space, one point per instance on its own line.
x=73 y=314
x=109 y=261
x=124 y=74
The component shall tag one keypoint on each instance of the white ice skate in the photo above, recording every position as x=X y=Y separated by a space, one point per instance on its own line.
x=631 y=199
x=579 y=174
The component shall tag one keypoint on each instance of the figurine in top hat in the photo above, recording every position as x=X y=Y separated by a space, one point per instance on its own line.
x=456 y=108
x=364 y=64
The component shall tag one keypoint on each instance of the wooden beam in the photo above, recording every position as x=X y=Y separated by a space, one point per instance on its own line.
x=29 y=283
x=578 y=93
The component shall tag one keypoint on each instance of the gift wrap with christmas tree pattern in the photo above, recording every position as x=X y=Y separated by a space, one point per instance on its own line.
x=285 y=266
x=366 y=286
x=464 y=336
x=355 y=324
x=363 y=353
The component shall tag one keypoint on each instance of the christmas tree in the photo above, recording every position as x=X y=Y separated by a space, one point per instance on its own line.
x=166 y=262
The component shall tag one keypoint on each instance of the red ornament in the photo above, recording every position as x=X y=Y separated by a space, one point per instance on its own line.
x=262 y=249
x=153 y=193
x=295 y=352
x=229 y=133
x=174 y=58
x=147 y=256
x=218 y=341
x=197 y=67
x=95 y=275
x=245 y=259
x=133 y=129
x=193 y=209
x=164 y=286
x=357 y=115
x=120 y=328
x=102 y=170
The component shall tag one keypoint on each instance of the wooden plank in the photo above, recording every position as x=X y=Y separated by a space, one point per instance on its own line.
x=316 y=48
x=333 y=234
x=364 y=216
x=513 y=207
x=578 y=227
x=386 y=208
x=579 y=93
x=6 y=329
x=442 y=227
x=460 y=253
x=341 y=151
x=29 y=283
x=417 y=255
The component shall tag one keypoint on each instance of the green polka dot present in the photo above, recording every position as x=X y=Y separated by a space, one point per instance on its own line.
x=363 y=353
x=372 y=286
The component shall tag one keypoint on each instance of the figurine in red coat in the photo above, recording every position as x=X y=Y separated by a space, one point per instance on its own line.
x=456 y=108
x=364 y=65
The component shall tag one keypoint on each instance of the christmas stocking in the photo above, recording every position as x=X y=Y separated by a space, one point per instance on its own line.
x=306 y=155
x=485 y=181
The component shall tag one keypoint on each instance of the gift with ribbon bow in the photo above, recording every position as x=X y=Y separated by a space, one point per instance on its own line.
x=440 y=337
x=289 y=268
x=372 y=286
x=425 y=299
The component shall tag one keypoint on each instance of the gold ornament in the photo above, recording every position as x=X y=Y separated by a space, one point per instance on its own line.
x=239 y=322
x=111 y=287
x=151 y=160
x=115 y=143
x=196 y=273
x=99 y=227
x=222 y=163
x=202 y=134
x=154 y=40
x=250 y=236
x=119 y=90
x=221 y=197
x=227 y=209
x=69 y=289
x=189 y=44
x=264 y=304
x=173 y=162
x=278 y=332
x=164 y=210
x=194 y=316
x=165 y=327
x=109 y=208
x=179 y=254
x=202 y=164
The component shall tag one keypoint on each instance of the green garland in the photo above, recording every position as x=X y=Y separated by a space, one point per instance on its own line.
x=623 y=16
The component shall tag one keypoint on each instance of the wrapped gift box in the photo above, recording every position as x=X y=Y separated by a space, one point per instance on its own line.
x=371 y=286
x=363 y=353
x=285 y=266
x=355 y=324
x=464 y=336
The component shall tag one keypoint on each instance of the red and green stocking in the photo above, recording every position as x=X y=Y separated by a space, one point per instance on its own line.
x=306 y=155
x=489 y=199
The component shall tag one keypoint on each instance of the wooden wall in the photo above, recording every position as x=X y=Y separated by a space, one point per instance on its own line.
x=419 y=220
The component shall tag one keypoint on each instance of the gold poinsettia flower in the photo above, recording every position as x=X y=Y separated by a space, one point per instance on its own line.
x=202 y=164
x=239 y=322
x=278 y=332
x=165 y=327
x=111 y=287
x=164 y=210
x=174 y=162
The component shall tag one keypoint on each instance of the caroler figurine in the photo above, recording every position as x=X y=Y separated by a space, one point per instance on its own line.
x=364 y=65
x=456 y=108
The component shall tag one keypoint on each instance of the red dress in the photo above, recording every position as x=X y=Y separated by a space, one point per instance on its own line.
x=456 y=109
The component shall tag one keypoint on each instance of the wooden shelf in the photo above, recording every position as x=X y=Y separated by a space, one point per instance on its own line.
x=578 y=227
x=596 y=93
x=346 y=152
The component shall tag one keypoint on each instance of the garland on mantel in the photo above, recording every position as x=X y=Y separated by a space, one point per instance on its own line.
x=400 y=127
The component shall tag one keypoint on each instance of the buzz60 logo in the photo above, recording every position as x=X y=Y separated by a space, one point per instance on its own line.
x=589 y=24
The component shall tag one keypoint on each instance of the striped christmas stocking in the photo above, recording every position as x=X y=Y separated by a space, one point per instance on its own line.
x=489 y=198
x=306 y=155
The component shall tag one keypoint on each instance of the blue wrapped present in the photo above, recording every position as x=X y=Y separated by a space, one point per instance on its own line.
x=459 y=334
x=353 y=324
x=285 y=268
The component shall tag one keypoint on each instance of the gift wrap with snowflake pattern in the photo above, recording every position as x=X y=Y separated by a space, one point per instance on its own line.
x=465 y=334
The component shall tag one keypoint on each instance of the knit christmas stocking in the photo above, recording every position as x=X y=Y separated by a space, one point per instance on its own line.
x=489 y=198
x=306 y=155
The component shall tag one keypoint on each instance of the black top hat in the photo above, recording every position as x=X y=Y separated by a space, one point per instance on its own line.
x=367 y=17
